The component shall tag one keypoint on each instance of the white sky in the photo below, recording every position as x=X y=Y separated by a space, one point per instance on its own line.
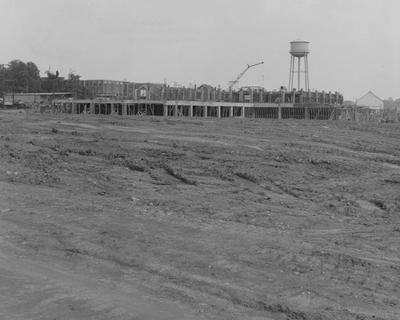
x=355 y=44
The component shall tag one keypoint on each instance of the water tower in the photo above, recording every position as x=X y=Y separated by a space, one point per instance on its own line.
x=299 y=49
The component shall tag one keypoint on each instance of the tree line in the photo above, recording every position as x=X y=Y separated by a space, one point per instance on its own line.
x=18 y=76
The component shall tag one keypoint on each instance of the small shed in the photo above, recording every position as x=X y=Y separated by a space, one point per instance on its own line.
x=371 y=101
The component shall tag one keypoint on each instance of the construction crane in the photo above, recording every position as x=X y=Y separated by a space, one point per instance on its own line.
x=240 y=75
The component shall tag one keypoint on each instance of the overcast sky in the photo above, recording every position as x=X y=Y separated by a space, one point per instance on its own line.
x=355 y=44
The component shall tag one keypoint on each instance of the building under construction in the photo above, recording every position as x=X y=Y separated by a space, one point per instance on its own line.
x=127 y=98
x=202 y=101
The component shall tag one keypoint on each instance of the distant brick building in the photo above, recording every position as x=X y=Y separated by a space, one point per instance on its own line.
x=107 y=88
x=121 y=90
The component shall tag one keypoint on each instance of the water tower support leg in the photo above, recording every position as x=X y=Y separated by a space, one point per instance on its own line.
x=307 y=84
x=293 y=71
x=290 y=73
x=292 y=61
x=298 y=73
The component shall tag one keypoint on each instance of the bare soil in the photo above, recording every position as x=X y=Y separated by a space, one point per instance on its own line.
x=153 y=218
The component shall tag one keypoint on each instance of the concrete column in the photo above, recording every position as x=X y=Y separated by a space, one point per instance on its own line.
x=124 y=109
x=92 y=108
x=205 y=111
x=175 y=110
x=85 y=108
x=279 y=112
x=191 y=111
x=218 y=111
x=243 y=112
x=230 y=112
x=165 y=112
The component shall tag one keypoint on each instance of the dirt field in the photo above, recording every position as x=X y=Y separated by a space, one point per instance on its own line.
x=152 y=218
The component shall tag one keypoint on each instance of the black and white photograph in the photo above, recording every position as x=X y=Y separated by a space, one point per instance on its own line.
x=199 y=160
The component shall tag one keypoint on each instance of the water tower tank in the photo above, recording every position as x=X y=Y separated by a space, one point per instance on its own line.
x=299 y=48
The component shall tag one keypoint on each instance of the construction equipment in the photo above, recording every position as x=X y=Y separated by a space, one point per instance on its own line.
x=240 y=75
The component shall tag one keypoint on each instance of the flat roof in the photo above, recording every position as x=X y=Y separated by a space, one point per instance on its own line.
x=38 y=93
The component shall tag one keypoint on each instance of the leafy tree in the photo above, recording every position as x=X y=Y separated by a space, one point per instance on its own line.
x=73 y=84
x=19 y=76
x=73 y=77
x=53 y=82
x=34 y=84
x=3 y=70
x=51 y=75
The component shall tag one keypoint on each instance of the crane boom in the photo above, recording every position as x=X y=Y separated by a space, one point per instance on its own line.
x=240 y=75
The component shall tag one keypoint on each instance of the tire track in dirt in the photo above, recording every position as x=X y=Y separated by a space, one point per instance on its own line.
x=108 y=299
